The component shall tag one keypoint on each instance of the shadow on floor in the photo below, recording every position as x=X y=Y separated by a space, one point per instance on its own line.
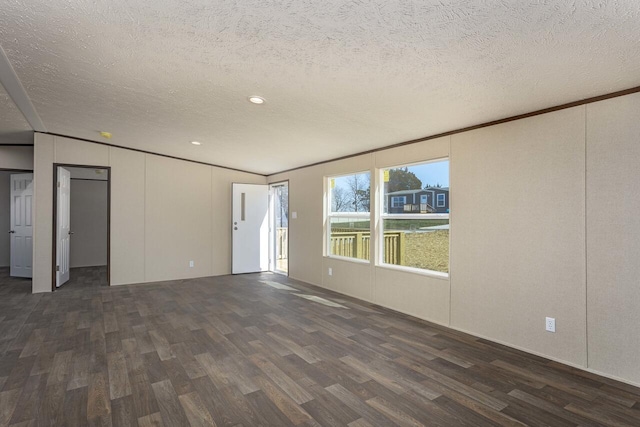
x=86 y=277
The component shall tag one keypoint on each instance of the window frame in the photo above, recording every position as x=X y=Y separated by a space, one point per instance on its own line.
x=380 y=216
x=328 y=214
x=444 y=200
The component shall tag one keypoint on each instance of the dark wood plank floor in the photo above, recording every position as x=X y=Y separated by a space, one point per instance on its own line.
x=246 y=350
x=84 y=277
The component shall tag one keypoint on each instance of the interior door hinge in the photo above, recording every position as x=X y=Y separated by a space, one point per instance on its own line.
x=57 y=268
x=58 y=184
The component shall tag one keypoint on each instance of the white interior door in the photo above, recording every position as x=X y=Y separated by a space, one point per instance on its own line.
x=21 y=225
x=63 y=226
x=250 y=228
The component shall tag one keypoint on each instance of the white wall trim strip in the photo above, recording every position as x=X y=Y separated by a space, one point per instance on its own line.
x=18 y=94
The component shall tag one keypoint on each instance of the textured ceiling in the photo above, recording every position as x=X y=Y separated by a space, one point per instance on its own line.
x=14 y=129
x=339 y=76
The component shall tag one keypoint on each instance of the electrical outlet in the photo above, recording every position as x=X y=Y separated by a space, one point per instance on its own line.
x=550 y=324
x=191 y=264
x=330 y=271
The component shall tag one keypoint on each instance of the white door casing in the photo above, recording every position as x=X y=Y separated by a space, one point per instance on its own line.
x=250 y=228
x=21 y=225
x=63 y=225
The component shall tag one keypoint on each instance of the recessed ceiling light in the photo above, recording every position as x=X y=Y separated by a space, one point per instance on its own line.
x=196 y=143
x=256 y=99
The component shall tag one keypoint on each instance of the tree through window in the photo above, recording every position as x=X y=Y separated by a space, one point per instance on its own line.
x=348 y=216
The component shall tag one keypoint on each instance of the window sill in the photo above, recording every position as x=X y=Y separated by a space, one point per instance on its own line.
x=415 y=216
x=413 y=270
x=349 y=259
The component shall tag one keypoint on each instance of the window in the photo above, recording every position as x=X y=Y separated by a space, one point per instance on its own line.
x=416 y=234
x=398 y=201
x=348 y=216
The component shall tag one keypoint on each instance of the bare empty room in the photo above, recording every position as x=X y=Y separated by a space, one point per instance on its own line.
x=337 y=213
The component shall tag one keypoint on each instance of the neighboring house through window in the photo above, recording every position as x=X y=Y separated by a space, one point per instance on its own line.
x=398 y=201
x=414 y=233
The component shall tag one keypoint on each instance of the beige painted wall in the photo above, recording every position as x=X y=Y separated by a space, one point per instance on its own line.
x=89 y=223
x=128 y=175
x=43 y=159
x=15 y=157
x=5 y=218
x=517 y=244
x=613 y=236
x=523 y=236
x=165 y=212
x=181 y=229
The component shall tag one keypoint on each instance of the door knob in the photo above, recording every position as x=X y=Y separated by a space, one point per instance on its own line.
x=71 y=232
x=11 y=231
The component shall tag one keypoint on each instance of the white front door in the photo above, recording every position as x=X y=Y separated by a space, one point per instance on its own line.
x=21 y=225
x=250 y=228
x=63 y=226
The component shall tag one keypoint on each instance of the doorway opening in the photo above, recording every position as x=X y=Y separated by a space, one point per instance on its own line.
x=260 y=228
x=279 y=227
x=16 y=228
x=81 y=226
